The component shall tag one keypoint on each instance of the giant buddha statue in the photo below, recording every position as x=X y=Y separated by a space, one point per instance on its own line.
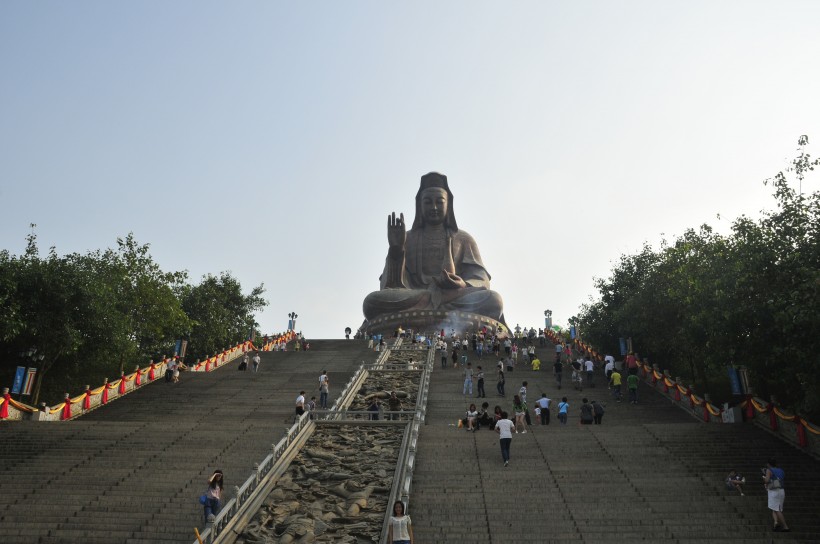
x=433 y=274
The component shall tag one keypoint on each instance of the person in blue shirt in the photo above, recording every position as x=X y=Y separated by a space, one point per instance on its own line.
x=563 y=407
x=773 y=481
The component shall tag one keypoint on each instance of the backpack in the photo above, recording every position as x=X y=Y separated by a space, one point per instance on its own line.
x=599 y=409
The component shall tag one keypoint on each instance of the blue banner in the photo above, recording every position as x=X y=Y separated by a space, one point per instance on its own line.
x=178 y=348
x=18 y=380
x=622 y=343
x=734 y=380
x=572 y=333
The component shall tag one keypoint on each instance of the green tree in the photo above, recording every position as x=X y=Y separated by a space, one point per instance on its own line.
x=748 y=298
x=89 y=315
x=220 y=314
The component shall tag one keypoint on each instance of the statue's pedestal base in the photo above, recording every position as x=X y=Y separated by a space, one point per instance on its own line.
x=431 y=322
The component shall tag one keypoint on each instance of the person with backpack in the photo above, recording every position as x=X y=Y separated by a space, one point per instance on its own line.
x=587 y=412
x=213 y=496
x=773 y=480
x=598 y=411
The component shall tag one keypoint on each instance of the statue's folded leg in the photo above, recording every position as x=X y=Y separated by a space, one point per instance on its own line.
x=389 y=301
x=480 y=301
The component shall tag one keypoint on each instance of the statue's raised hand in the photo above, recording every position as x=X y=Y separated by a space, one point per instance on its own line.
x=396 y=233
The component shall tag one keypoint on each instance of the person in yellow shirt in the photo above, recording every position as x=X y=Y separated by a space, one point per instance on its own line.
x=615 y=384
x=536 y=364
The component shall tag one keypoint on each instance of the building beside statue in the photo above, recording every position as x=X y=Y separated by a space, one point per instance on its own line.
x=433 y=275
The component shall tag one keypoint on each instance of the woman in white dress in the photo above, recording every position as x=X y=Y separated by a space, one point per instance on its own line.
x=400 y=530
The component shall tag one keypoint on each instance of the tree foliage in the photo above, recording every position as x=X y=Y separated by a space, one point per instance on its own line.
x=747 y=298
x=96 y=314
x=221 y=315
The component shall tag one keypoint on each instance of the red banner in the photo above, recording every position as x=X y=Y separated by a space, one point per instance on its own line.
x=772 y=416
x=801 y=435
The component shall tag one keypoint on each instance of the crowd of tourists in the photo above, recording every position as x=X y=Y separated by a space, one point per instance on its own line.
x=473 y=354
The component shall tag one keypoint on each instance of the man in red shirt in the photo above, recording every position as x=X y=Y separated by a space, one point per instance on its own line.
x=631 y=363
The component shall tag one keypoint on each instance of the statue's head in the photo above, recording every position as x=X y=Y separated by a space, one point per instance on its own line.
x=434 y=202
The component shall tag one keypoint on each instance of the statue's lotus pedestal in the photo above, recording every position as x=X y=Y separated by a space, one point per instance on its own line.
x=431 y=323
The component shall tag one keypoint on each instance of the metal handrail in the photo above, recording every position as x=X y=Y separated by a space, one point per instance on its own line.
x=400 y=490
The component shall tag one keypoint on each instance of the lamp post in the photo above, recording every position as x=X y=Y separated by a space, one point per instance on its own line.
x=548 y=319
x=292 y=317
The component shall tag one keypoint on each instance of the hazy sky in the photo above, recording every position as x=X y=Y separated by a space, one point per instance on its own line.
x=271 y=139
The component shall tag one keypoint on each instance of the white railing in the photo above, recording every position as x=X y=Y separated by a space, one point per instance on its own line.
x=403 y=479
x=246 y=491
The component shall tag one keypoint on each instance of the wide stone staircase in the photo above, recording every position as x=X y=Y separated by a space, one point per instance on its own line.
x=649 y=473
x=132 y=471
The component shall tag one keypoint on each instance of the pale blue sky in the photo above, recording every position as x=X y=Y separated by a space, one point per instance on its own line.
x=272 y=139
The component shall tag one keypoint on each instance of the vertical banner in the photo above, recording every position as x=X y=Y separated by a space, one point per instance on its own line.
x=572 y=332
x=290 y=324
x=177 y=348
x=734 y=380
x=183 y=349
x=547 y=322
x=28 y=384
x=622 y=343
x=18 y=380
